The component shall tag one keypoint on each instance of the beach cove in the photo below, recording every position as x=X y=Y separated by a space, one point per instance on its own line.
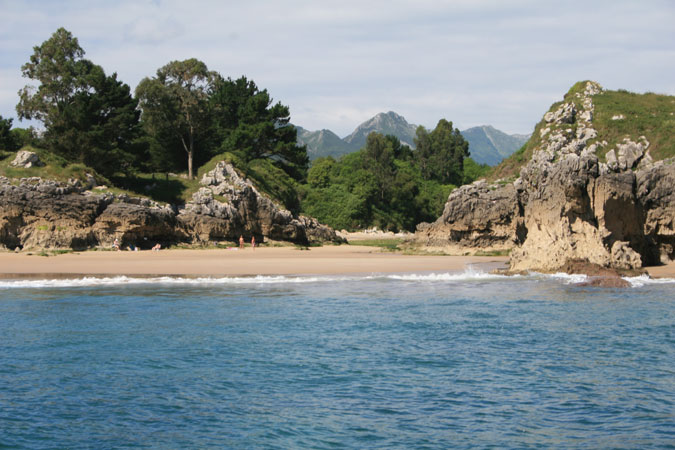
x=343 y=259
x=326 y=260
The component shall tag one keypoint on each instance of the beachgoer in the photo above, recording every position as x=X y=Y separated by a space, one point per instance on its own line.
x=253 y=242
x=116 y=245
x=157 y=247
x=241 y=242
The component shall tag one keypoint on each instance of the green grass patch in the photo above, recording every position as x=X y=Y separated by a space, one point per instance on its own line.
x=493 y=253
x=159 y=187
x=54 y=168
x=649 y=115
x=387 y=244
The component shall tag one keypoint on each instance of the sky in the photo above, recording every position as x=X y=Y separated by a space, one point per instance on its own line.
x=338 y=63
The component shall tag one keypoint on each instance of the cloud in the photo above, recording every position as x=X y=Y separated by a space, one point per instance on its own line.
x=471 y=61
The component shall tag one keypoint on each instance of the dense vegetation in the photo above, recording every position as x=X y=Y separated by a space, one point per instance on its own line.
x=186 y=118
x=387 y=184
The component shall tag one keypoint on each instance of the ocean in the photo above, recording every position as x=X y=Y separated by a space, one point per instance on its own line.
x=416 y=361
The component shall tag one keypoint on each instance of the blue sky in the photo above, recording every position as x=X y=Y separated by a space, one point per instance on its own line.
x=336 y=64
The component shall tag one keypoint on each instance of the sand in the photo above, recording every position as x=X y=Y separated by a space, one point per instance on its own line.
x=344 y=259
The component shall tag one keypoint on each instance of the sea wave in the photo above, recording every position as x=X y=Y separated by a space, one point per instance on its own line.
x=636 y=282
x=468 y=275
x=643 y=280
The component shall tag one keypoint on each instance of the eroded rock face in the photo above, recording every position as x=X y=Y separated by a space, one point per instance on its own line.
x=566 y=205
x=656 y=194
x=44 y=214
x=229 y=206
x=478 y=215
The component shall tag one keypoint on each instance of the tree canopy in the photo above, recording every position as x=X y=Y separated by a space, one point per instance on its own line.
x=249 y=123
x=89 y=117
x=440 y=153
x=7 y=141
x=175 y=104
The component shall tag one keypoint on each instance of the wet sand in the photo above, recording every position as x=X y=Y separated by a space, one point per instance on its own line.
x=665 y=271
x=344 y=259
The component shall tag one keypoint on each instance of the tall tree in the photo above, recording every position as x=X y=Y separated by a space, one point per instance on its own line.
x=378 y=158
x=176 y=103
x=89 y=117
x=7 y=141
x=440 y=154
x=250 y=124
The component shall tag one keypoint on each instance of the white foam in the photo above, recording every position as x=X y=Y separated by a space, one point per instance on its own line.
x=567 y=278
x=124 y=280
x=639 y=281
x=468 y=275
x=643 y=280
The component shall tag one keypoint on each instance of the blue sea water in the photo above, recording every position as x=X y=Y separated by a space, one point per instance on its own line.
x=415 y=361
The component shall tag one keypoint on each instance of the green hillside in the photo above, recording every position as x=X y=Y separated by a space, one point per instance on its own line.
x=618 y=115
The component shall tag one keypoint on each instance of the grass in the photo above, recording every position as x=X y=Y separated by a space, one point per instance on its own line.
x=386 y=244
x=54 y=168
x=650 y=115
x=493 y=253
x=47 y=253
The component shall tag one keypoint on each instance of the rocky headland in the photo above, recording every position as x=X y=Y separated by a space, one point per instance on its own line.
x=37 y=213
x=567 y=204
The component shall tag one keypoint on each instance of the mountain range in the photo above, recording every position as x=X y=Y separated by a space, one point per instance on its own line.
x=487 y=145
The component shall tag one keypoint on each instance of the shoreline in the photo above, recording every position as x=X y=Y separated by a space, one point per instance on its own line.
x=263 y=261
x=326 y=260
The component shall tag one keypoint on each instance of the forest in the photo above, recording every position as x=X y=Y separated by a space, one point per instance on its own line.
x=155 y=140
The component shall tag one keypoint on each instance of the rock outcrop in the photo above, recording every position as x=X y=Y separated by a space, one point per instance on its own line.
x=44 y=214
x=477 y=216
x=567 y=204
x=26 y=159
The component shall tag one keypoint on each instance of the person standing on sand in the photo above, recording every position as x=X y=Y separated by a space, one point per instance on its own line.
x=241 y=242
x=253 y=242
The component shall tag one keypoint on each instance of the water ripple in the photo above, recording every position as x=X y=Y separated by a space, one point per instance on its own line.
x=369 y=362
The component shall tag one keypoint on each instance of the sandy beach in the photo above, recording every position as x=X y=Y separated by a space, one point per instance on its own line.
x=344 y=259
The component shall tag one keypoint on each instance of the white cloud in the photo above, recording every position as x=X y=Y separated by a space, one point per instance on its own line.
x=337 y=64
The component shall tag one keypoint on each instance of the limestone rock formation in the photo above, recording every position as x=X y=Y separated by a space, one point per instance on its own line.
x=478 y=216
x=566 y=204
x=45 y=214
x=26 y=159
x=228 y=206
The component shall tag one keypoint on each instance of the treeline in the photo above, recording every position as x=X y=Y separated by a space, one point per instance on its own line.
x=176 y=120
x=186 y=115
x=388 y=185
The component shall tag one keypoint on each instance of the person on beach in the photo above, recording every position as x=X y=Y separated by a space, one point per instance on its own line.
x=116 y=245
x=157 y=247
x=241 y=242
x=253 y=242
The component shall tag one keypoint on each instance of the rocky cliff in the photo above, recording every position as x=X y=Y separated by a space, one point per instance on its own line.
x=567 y=204
x=44 y=214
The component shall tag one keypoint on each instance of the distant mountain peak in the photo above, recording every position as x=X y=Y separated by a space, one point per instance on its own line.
x=487 y=144
x=385 y=123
